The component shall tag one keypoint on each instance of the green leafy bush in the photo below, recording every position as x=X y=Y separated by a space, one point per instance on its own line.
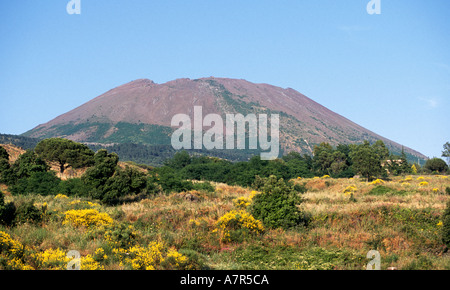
x=43 y=183
x=446 y=226
x=7 y=211
x=27 y=212
x=276 y=206
x=384 y=190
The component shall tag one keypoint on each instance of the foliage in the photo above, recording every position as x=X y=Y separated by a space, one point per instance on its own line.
x=436 y=165
x=276 y=206
x=128 y=181
x=7 y=211
x=237 y=225
x=86 y=218
x=43 y=183
x=446 y=226
x=27 y=212
x=384 y=190
x=64 y=151
x=367 y=159
x=27 y=164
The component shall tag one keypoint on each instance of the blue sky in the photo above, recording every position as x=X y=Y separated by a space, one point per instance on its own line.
x=389 y=73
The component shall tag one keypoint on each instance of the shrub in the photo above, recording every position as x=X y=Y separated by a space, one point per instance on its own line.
x=27 y=212
x=236 y=225
x=43 y=183
x=276 y=206
x=204 y=186
x=446 y=226
x=87 y=218
x=7 y=211
x=447 y=190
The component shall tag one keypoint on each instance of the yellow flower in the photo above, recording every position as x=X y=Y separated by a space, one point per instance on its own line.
x=423 y=183
x=435 y=190
x=325 y=176
x=235 y=220
x=87 y=218
x=241 y=202
x=350 y=189
x=377 y=181
x=440 y=224
x=60 y=196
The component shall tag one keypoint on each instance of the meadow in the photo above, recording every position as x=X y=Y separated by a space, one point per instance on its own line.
x=346 y=218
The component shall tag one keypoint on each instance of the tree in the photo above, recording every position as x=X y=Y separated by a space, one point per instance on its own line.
x=95 y=178
x=436 y=165
x=366 y=160
x=323 y=157
x=4 y=165
x=27 y=164
x=3 y=153
x=7 y=211
x=64 y=152
x=446 y=152
x=276 y=205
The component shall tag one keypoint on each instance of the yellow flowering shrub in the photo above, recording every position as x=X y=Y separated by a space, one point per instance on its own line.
x=242 y=202
x=240 y=221
x=435 y=190
x=350 y=189
x=175 y=260
x=377 y=181
x=61 y=196
x=12 y=252
x=87 y=218
x=423 y=183
x=10 y=246
x=141 y=258
x=17 y=264
x=253 y=193
x=325 y=176
x=56 y=259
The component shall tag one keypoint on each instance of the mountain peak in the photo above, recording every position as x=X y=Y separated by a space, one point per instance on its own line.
x=138 y=111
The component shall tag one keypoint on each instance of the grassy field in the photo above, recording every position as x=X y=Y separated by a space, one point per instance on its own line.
x=401 y=218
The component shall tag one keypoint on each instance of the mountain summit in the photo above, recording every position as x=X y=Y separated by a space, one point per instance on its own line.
x=141 y=112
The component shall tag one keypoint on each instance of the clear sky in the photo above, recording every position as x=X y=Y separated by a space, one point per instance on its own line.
x=389 y=72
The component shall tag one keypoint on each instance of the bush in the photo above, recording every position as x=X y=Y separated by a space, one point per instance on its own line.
x=27 y=212
x=204 y=186
x=276 y=206
x=7 y=211
x=235 y=226
x=43 y=183
x=436 y=164
x=447 y=190
x=446 y=226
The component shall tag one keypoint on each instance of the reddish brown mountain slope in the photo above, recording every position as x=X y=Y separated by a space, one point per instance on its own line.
x=136 y=110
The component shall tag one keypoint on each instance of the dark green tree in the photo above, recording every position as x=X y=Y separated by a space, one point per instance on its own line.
x=366 y=160
x=7 y=211
x=436 y=165
x=446 y=152
x=323 y=158
x=64 y=152
x=128 y=181
x=3 y=153
x=95 y=177
x=27 y=164
x=277 y=205
x=5 y=168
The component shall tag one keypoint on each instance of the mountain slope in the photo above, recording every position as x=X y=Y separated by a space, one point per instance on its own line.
x=141 y=112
